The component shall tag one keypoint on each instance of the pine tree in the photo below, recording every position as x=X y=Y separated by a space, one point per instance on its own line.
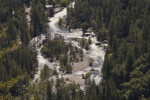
x=49 y=91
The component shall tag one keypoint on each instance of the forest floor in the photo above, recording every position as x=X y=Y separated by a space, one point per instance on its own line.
x=78 y=66
x=81 y=64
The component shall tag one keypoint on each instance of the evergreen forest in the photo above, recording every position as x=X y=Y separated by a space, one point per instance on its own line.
x=124 y=25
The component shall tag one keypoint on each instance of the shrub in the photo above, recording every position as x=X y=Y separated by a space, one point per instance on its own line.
x=64 y=3
x=91 y=62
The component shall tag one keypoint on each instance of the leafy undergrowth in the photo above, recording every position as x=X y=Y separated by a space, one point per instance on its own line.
x=58 y=50
x=15 y=46
x=6 y=87
x=3 y=32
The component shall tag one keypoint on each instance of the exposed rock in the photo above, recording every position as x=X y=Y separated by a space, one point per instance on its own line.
x=56 y=10
x=92 y=69
x=48 y=6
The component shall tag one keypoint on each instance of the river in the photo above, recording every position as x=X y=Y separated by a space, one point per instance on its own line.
x=95 y=52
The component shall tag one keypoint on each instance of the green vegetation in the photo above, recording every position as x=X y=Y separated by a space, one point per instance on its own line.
x=45 y=90
x=18 y=62
x=65 y=53
x=67 y=68
x=91 y=62
x=3 y=32
x=85 y=43
x=46 y=72
x=12 y=87
x=51 y=12
x=50 y=2
x=60 y=22
x=125 y=73
x=125 y=24
x=64 y=3
x=84 y=26
x=61 y=3
x=38 y=17
x=89 y=40
x=86 y=76
x=55 y=48
x=16 y=56
x=90 y=13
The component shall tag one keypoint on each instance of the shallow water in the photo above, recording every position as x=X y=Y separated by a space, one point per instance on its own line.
x=96 y=52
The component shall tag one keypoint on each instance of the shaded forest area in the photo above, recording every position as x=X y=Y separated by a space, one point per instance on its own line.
x=126 y=25
x=18 y=61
